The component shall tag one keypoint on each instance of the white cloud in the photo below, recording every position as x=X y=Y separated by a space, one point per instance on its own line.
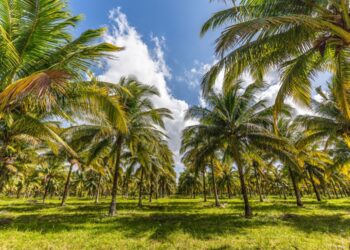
x=148 y=66
x=192 y=77
x=268 y=93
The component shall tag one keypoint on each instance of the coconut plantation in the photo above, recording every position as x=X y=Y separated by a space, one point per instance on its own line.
x=166 y=124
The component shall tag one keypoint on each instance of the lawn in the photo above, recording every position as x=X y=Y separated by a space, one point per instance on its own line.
x=174 y=224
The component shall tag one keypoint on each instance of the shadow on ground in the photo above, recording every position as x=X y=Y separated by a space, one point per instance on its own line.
x=158 y=221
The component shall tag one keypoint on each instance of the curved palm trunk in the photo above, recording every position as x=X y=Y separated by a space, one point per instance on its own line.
x=113 y=206
x=217 y=204
x=204 y=187
x=140 y=189
x=318 y=196
x=296 y=188
x=46 y=189
x=97 y=196
x=66 y=187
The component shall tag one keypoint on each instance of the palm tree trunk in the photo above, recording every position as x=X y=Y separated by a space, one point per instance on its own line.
x=318 y=196
x=98 y=189
x=307 y=186
x=127 y=188
x=113 y=206
x=217 y=204
x=156 y=187
x=257 y=183
x=204 y=186
x=229 y=189
x=340 y=190
x=151 y=191
x=284 y=193
x=334 y=189
x=247 y=209
x=46 y=189
x=326 y=191
x=140 y=189
x=66 y=187
x=296 y=188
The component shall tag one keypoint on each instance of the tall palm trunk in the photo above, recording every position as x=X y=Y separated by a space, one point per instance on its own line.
x=257 y=182
x=127 y=187
x=156 y=187
x=334 y=189
x=247 y=209
x=97 y=196
x=46 y=189
x=284 y=193
x=307 y=186
x=140 y=189
x=151 y=190
x=113 y=206
x=318 y=196
x=204 y=186
x=296 y=188
x=229 y=189
x=66 y=187
x=217 y=203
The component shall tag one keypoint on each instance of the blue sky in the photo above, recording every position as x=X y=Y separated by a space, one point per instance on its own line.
x=162 y=48
x=178 y=21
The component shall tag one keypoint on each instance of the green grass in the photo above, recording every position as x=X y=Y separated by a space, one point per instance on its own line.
x=174 y=224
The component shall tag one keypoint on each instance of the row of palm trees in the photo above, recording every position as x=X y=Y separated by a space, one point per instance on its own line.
x=298 y=39
x=235 y=140
x=53 y=112
x=64 y=131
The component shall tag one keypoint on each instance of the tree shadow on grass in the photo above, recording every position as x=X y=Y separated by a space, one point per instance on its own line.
x=329 y=224
x=26 y=207
x=159 y=224
x=155 y=226
x=199 y=226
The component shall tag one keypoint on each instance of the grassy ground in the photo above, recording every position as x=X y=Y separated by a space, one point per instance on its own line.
x=174 y=224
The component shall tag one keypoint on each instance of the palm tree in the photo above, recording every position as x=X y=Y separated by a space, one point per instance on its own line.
x=41 y=66
x=39 y=54
x=236 y=123
x=199 y=152
x=152 y=155
x=300 y=38
x=110 y=135
x=189 y=183
x=50 y=169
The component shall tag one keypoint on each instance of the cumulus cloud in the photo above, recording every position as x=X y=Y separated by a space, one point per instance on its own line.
x=148 y=65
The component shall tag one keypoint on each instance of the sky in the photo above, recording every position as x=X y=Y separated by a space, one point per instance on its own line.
x=162 y=48
x=177 y=21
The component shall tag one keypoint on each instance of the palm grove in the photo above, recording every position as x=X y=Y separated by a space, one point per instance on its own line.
x=65 y=132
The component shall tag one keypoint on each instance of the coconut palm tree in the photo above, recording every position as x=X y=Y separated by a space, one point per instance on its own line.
x=39 y=53
x=109 y=136
x=51 y=168
x=236 y=123
x=189 y=183
x=300 y=38
x=199 y=152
